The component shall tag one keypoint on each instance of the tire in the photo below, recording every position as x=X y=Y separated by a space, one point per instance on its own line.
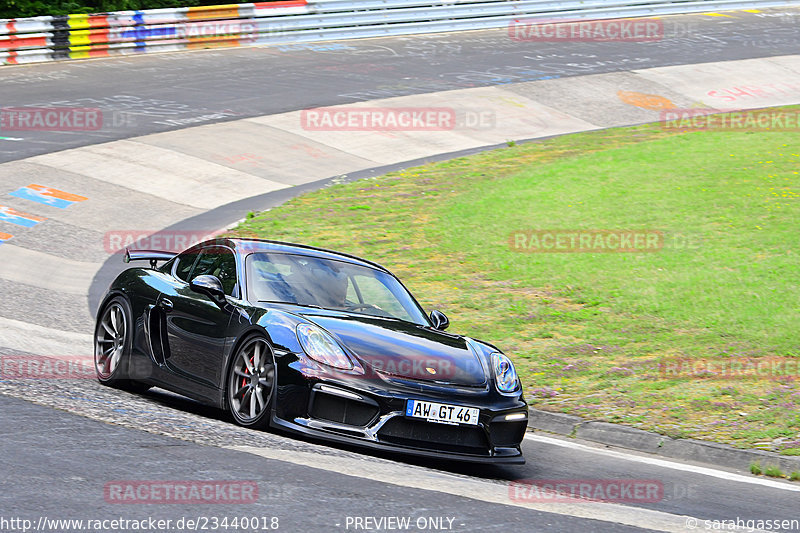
x=113 y=337
x=250 y=383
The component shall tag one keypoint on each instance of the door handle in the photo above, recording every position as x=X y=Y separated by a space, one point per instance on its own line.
x=165 y=304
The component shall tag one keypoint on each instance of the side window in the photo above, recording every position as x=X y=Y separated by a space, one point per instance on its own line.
x=184 y=265
x=219 y=262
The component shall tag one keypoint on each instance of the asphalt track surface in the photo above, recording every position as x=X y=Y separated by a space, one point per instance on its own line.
x=56 y=464
x=162 y=92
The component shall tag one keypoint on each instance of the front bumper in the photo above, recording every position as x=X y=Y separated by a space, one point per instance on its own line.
x=375 y=418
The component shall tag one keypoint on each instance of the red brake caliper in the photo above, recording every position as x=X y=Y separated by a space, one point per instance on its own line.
x=244 y=380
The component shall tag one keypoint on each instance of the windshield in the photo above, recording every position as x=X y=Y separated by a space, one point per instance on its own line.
x=328 y=284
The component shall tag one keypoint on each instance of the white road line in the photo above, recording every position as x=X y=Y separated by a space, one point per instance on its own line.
x=729 y=476
x=481 y=490
x=39 y=340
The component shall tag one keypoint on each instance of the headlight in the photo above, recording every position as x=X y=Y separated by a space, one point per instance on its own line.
x=321 y=347
x=504 y=373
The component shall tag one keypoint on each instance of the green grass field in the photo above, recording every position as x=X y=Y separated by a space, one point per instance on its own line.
x=593 y=333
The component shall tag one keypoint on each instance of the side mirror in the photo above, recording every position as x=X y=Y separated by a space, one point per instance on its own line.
x=209 y=285
x=439 y=320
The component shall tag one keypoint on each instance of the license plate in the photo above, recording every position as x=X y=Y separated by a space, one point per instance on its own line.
x=442 y=413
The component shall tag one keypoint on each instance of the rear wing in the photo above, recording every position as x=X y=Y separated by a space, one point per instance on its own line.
x=147 y=255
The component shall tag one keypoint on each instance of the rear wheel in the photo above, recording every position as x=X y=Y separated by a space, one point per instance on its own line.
x=112 y=346
x=251 y=381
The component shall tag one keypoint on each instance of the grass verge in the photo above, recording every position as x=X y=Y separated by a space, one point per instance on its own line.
x=600 y=334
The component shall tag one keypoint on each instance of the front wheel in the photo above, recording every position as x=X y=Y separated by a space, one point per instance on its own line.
x=251 y=381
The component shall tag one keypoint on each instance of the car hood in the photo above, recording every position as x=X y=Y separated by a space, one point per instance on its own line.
x=405 y=350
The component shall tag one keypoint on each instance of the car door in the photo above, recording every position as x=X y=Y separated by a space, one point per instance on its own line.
x=196 y=326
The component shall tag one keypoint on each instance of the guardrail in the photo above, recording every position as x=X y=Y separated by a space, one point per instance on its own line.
x=51 y=38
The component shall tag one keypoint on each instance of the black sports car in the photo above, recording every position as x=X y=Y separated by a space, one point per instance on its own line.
x=312 y=341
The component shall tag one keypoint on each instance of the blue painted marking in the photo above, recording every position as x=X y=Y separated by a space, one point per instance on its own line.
x=138 y=17
x=29 y=194
x=15 y=217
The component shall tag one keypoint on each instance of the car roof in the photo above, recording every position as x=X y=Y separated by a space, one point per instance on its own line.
x=251 y=245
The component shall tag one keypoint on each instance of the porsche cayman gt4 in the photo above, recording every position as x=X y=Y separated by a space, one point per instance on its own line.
x=311 y=341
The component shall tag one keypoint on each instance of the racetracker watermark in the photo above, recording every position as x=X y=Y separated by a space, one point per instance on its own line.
x=389 y=119
x=52 y=367
x=243 y=32
x=768 y=367
x=699 y=119
x=577 y=490
x=181 y=492
x=422 y=368
x=640 y=30
x=167 y=241
x=50 y=119
x=586 y=241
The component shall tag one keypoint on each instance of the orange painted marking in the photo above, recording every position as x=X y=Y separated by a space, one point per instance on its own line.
x=645 y=101
x=55 y=193
x=230 y=11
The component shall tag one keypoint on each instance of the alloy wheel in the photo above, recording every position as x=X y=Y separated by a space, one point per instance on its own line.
x=251 y=381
